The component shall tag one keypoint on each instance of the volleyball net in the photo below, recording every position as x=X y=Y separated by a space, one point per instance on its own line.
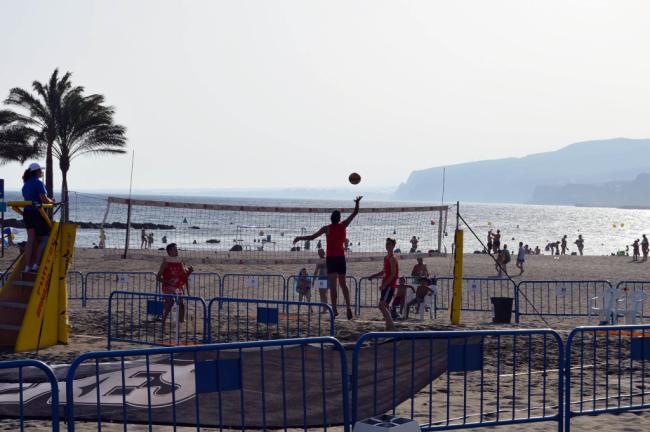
x=234 y=234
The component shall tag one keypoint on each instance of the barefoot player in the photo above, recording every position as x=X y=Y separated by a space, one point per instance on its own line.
x=335 y=254
x=389 y=275
x=173 y=276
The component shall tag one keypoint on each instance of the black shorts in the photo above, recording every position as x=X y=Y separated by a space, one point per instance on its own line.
x=387 y=295
x=34 y=220
x=336 y=264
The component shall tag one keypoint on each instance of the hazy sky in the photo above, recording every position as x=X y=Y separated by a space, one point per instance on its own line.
x=226 y=94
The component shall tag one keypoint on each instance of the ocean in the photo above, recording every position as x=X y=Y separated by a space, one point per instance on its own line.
x=605 y=230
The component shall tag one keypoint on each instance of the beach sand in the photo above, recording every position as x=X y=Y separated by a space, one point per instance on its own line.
x=89 y=324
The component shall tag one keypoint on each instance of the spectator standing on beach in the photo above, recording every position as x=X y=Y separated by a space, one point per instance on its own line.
x=489 y=242
x=537 y=250
x=580 y=242
x=496 y=241
x=303 y=286
x=320 y=275
x=521 y=257
x=564 y=245
x=645 y=247
x=420 y=269
x=335 y=236
x=150 y=239
x=143 y=239
x=389 y=274
x=635 y=250
x=414 y=244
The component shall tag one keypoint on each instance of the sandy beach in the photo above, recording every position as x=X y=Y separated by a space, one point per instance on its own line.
x=89 y=324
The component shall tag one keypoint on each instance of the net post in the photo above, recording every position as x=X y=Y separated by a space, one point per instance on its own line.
x=440 y=231
x=128 y=229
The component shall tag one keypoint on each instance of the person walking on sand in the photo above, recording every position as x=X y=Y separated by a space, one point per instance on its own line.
x=173 y=275
x=521 y=258
x=645 y=247
x=580 y=242
x=335 y=237
x=564 y=245
x=390 y=274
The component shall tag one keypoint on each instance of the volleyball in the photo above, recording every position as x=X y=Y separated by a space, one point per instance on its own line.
x=354 y=178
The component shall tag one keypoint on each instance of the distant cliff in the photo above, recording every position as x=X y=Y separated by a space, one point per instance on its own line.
x=538 y=178
x=635 y=193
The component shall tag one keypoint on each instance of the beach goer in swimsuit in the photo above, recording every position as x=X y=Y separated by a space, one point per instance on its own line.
x=389 y=278
x=303 y=286
x=564 y=245
x=37 y=228
x=143 y=239
x=420 y=269
x=645 y=247
x=320 y=275
x=422 y=291
x=414 y=244
x=335 y=237
x=400 y=297
x=173 y=275
x=580 y=242
x=635 y=250
x=489 y=242
x=496 y=241
x=521 y=258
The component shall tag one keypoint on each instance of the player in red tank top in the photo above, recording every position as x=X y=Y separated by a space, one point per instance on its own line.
x=173 y=277
x=390 y=274
x=335 y=236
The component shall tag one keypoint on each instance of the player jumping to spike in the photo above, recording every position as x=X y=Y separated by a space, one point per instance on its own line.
x=335 y=253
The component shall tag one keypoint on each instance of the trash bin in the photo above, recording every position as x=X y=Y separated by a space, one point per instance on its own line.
x=502 y=309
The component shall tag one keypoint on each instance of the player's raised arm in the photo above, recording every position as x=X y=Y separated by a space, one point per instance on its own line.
x=354 y=213
x=317 y=234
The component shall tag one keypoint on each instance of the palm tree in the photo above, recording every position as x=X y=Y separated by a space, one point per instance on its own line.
x=15 y=138
x=43 y=108
x=84 y=126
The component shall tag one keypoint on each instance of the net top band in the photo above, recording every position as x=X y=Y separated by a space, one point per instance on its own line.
x=270 y=209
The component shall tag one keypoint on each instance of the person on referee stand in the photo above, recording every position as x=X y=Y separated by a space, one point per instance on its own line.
x=335 y=253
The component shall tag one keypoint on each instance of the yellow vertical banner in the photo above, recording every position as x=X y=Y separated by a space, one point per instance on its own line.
x=66 y=250
x=458 y=277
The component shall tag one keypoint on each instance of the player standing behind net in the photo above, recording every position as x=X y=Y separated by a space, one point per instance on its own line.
x=173 y=275
x=335 y=253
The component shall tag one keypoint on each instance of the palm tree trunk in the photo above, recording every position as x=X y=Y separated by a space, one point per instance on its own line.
x=64 y=164
x=49 y=174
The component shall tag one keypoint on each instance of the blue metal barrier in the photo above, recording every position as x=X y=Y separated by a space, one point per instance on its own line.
x=253 y=286
x=559 y=297
x=477 y=292
x=99 y=285
x=75 y=283
x=607 y=368
x=23 y=389
x=135 y=317
x=298 y=383
x=233 y=319
x=460 y=379
x=629 y=286
x=206 y=285
x=321 y=283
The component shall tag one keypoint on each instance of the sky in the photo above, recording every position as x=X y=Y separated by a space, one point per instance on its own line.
x=250 y=94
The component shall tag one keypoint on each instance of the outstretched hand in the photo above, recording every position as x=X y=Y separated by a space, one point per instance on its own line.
x=357 y=199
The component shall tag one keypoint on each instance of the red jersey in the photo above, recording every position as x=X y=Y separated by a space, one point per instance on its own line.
x=173 y=276
x=393 y=283
x=335 y=240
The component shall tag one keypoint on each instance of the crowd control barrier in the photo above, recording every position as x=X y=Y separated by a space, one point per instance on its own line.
x=477 y=292
x=204 y=284
x=607 y=368
x=316 y=284
x=100 y=285
x=75 y=283
x=25 y=380
x=136 y=317
x=628 y=287
x=233 y=319
x=558 y=298
x=253 y=286
x=298 y=383
x=461 y=379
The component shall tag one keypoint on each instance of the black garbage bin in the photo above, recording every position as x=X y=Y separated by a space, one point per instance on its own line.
x=502 y=309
